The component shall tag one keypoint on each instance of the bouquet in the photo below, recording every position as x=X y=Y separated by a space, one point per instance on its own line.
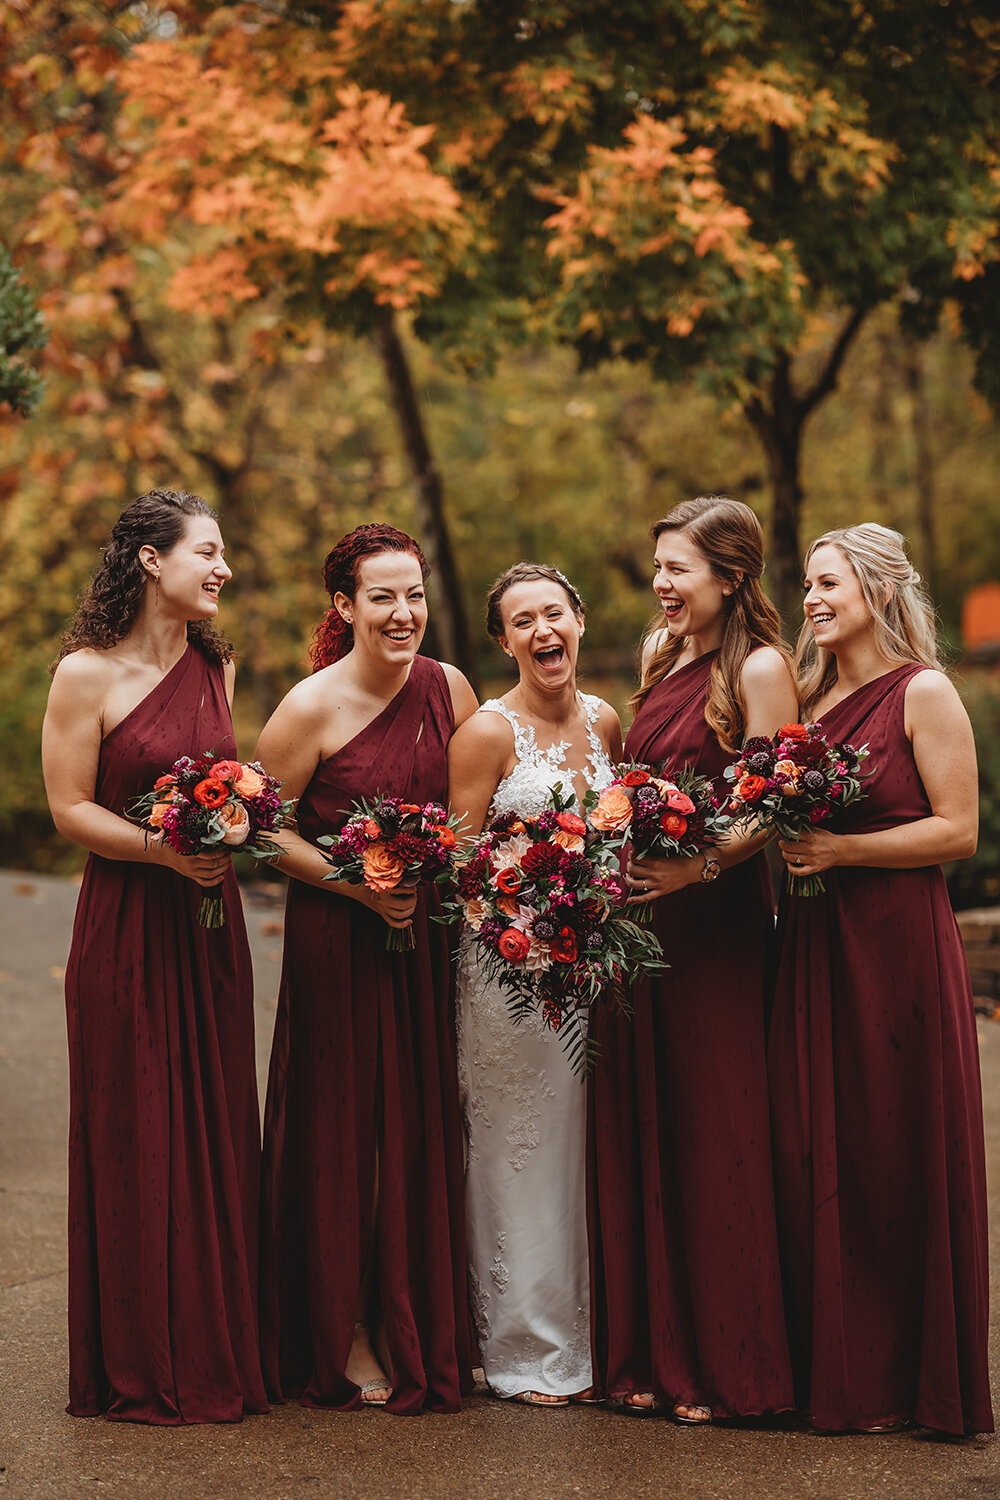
x=543 y=898
x=389 y=843
x=660 y=814
x=793 y=783
x=199 y=804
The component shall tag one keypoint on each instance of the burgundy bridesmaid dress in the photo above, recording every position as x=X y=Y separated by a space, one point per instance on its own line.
x=877 y=1118
x=363 y=1087
x=164 y=1148
x=686 y=1284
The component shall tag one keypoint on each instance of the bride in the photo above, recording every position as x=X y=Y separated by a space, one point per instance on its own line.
x=525 y=1110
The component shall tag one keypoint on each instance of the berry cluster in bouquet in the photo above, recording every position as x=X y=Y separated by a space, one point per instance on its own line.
x=386 y=844
x=543 y=898
x=661 y=814
x=200 y=804
x=792 y=783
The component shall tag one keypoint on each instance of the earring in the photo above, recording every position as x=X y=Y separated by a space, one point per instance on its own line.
x=156 y=595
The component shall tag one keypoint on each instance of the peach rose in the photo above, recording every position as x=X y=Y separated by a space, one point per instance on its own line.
x=156 y=816
x=383 y=869
x=612 y=811
x=570 y=841
x=249 y=782
x=237 y=821
x=475 y=912
x=790 y=769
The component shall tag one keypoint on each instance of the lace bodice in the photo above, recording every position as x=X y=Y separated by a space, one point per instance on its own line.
x=528 y=787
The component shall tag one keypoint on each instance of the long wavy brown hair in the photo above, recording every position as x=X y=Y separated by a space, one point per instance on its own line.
x=108 y=607
x=728 y=535
x=903 y=625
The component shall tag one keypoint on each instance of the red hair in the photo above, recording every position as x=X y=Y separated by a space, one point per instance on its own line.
x=334 y=636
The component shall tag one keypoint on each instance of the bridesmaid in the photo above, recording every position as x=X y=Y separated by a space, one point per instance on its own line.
x=164 y=1150
x=686 y=1286
x=363 y=1218
x=873 y=1056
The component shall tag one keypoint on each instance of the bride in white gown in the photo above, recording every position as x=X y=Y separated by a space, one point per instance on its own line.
x=525 y=1109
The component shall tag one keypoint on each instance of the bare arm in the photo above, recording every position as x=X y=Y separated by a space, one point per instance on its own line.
x=938 y=728
x=290 y=748
x=480 y=755
x=463 y=700
x=71 y=748
x=610 y=729
x=768 y=693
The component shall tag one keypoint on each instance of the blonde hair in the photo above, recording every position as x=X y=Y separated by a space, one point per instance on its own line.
x=728 y=535
x=903 y=625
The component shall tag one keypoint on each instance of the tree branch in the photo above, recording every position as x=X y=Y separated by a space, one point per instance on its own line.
x=827 y=378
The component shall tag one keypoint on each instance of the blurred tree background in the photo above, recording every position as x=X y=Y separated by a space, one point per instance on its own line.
x=517 y=279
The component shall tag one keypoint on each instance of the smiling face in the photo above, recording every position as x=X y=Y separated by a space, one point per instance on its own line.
x=834 y=603
x=192 y=573
x=541 y=632
x=691 y=596
x=389 y=609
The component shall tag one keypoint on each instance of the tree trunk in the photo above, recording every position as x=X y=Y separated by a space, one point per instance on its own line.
x=779 y=428
x=448 y=619
x=925 y=549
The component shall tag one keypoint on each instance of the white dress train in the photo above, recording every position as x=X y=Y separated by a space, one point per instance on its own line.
x=525 y=1115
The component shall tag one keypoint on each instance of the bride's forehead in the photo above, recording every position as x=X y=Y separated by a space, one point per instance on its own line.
x=531 y=595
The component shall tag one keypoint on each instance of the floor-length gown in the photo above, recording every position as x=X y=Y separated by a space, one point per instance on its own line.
x=878 y=1126
x=686 y=1280
x=363 y=1090
x=525 y=1114
x=164 y=1149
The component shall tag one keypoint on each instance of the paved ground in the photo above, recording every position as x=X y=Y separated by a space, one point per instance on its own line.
x=490 y=1451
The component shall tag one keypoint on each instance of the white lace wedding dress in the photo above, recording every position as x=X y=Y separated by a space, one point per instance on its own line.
x=525 y=1114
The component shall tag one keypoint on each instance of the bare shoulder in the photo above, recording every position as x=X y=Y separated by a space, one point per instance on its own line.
x=485 y=733
x=463 y=699
x=607 y=719
x=764 y=668
x=84 y=676
x=302 y=708
x=932 y=692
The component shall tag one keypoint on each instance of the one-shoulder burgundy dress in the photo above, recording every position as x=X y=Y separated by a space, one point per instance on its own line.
x=363 y=1086
x=877 y=1118
x=164 y=1147
x=686 y=1283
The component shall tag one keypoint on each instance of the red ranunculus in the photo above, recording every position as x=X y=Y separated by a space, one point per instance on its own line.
x=563 y=946
x=750 y=788
x=514 y=945
x=570 y=823
x=673 y=825
x=509 y=881
x=211 y=792
x=793 y=732
x=635 y=778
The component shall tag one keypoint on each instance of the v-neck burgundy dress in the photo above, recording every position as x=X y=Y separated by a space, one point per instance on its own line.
x=878 y=1126
x=164 y=1147
x=363 y=1087
x=686 y=1283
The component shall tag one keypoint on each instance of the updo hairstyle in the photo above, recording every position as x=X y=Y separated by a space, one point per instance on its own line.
x=334 y=635
x=526 y=572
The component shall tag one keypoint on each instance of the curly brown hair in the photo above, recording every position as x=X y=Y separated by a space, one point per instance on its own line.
x=108 y=607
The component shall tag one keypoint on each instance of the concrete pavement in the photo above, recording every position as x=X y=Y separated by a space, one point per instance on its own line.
x=490 y=1451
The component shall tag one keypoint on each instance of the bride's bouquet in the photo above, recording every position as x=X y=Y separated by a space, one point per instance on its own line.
x=543 y=898
x=660 y=814
x=792 y=783
x=200 y=804
x=387 y=843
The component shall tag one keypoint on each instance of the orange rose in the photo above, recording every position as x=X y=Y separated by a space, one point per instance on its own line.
x=613 y=811
x=156 y=816
x=162 y=781
x=237 y=821
x=383 y=869
x=793 y=732
x=749 y=788
x=372 y=830
x=249 y=782
x=570 y=841
x=508 y=906
x=517 y=827
x=446 y=835
x=673 y=825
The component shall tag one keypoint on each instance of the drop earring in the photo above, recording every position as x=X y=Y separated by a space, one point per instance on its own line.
x=156 y=596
